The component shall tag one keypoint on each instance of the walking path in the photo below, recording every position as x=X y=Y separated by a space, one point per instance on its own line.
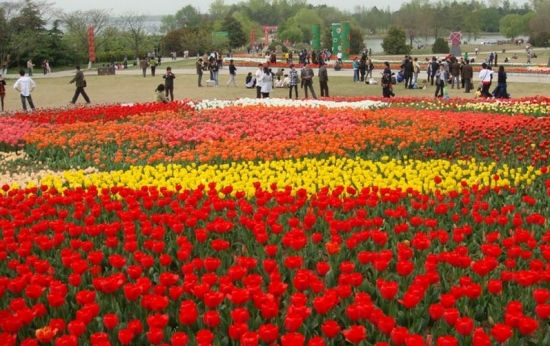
x=512 y=77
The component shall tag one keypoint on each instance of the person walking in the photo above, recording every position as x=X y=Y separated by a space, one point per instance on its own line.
x=214 y=71
x=232 y=74
x=30 y=66
x=200 y=68
x=25 y=85
x=467 y=75
x=501 y=89
x=153 y=64
x=434 y=67
x=80 y=83
x=485 y=78
x=2 y=91
x=355 y=66
x=441 y=79
x=307 y=80
x=323 y=79
x=455 y=73
x=144 y=64
x=387 y=89
x=169 y=83
x=293 y=82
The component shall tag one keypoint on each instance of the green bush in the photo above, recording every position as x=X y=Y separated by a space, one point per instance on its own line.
x=440 y=46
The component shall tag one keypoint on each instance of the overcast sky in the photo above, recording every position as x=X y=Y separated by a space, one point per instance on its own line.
x=155 y=7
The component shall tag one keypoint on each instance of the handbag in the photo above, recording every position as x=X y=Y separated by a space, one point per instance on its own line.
x=84 y=84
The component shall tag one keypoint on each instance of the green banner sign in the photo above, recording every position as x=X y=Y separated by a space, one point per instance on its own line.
x=345 y=38
x=336 y=30
x=316 y=43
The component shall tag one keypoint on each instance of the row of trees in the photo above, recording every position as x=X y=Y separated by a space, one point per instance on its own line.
x=36 y=29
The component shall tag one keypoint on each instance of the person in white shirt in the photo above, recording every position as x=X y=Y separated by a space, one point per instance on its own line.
x=267 y=83
x=259 y=74
x=485 y=79
x=25 y=85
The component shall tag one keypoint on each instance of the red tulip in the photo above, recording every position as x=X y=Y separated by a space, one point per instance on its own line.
x=179 y=339
x=204 y=337
x=494 y=286
x=330 y=328
x=543 y=311
x=211 y=319
x=464 y=326
x=135 y=326
x=268 y=332
x=541 y=295
x=250 y=339
x=436 y=311
x=293 y=339
x=355 y=334
x=385 y=324
x=415 y=340
x=501 y=332
x=398 y=335
x=125 y=336
x=155 y=335
x=293 y=322
x=481 y=338
x=528 y=325
x=110 y=321
x=388 y=289
x=316 y=341
x=236 y=331
x=450 y=316
x=76 y=328
x=447 y=340
x=188 y=312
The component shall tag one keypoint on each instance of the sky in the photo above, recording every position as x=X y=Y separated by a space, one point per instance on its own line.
x=163 y=7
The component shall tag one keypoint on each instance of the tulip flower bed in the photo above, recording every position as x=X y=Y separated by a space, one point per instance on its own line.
x=267 y=223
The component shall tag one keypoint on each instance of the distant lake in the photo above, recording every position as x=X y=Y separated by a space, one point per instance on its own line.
x=376 y=43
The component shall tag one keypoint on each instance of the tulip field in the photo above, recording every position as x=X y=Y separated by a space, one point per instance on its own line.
x=340 y=221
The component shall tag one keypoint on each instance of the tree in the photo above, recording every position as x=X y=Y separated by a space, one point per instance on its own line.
x=218 y=10
x=188 y=16
x=440 y=46
x=395 y=41
x=23 y=34
x=408 y=17
x=326 y=38
x=77 y=24
x=356 y=42
x=168 y=23
x=134 y=31
x=237 y=38
x=512 y=25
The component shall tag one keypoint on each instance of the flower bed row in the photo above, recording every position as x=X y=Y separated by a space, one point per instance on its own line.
x=221 y=223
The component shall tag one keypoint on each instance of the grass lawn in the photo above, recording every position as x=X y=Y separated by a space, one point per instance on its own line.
x=57 y=92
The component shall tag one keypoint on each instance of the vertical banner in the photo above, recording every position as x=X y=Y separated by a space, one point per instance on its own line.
x=345 y=38
x=316 y=43
x=91 y=43
x=336 y=29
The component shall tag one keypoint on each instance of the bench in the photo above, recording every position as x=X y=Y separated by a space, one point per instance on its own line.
x=104 y=71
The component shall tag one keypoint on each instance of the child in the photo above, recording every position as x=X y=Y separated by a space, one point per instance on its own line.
x=169 y=83
x=159 y=94
x=478 y=92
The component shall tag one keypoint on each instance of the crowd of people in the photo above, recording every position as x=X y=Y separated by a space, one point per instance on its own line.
x=442 y=73
x=451 y=71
